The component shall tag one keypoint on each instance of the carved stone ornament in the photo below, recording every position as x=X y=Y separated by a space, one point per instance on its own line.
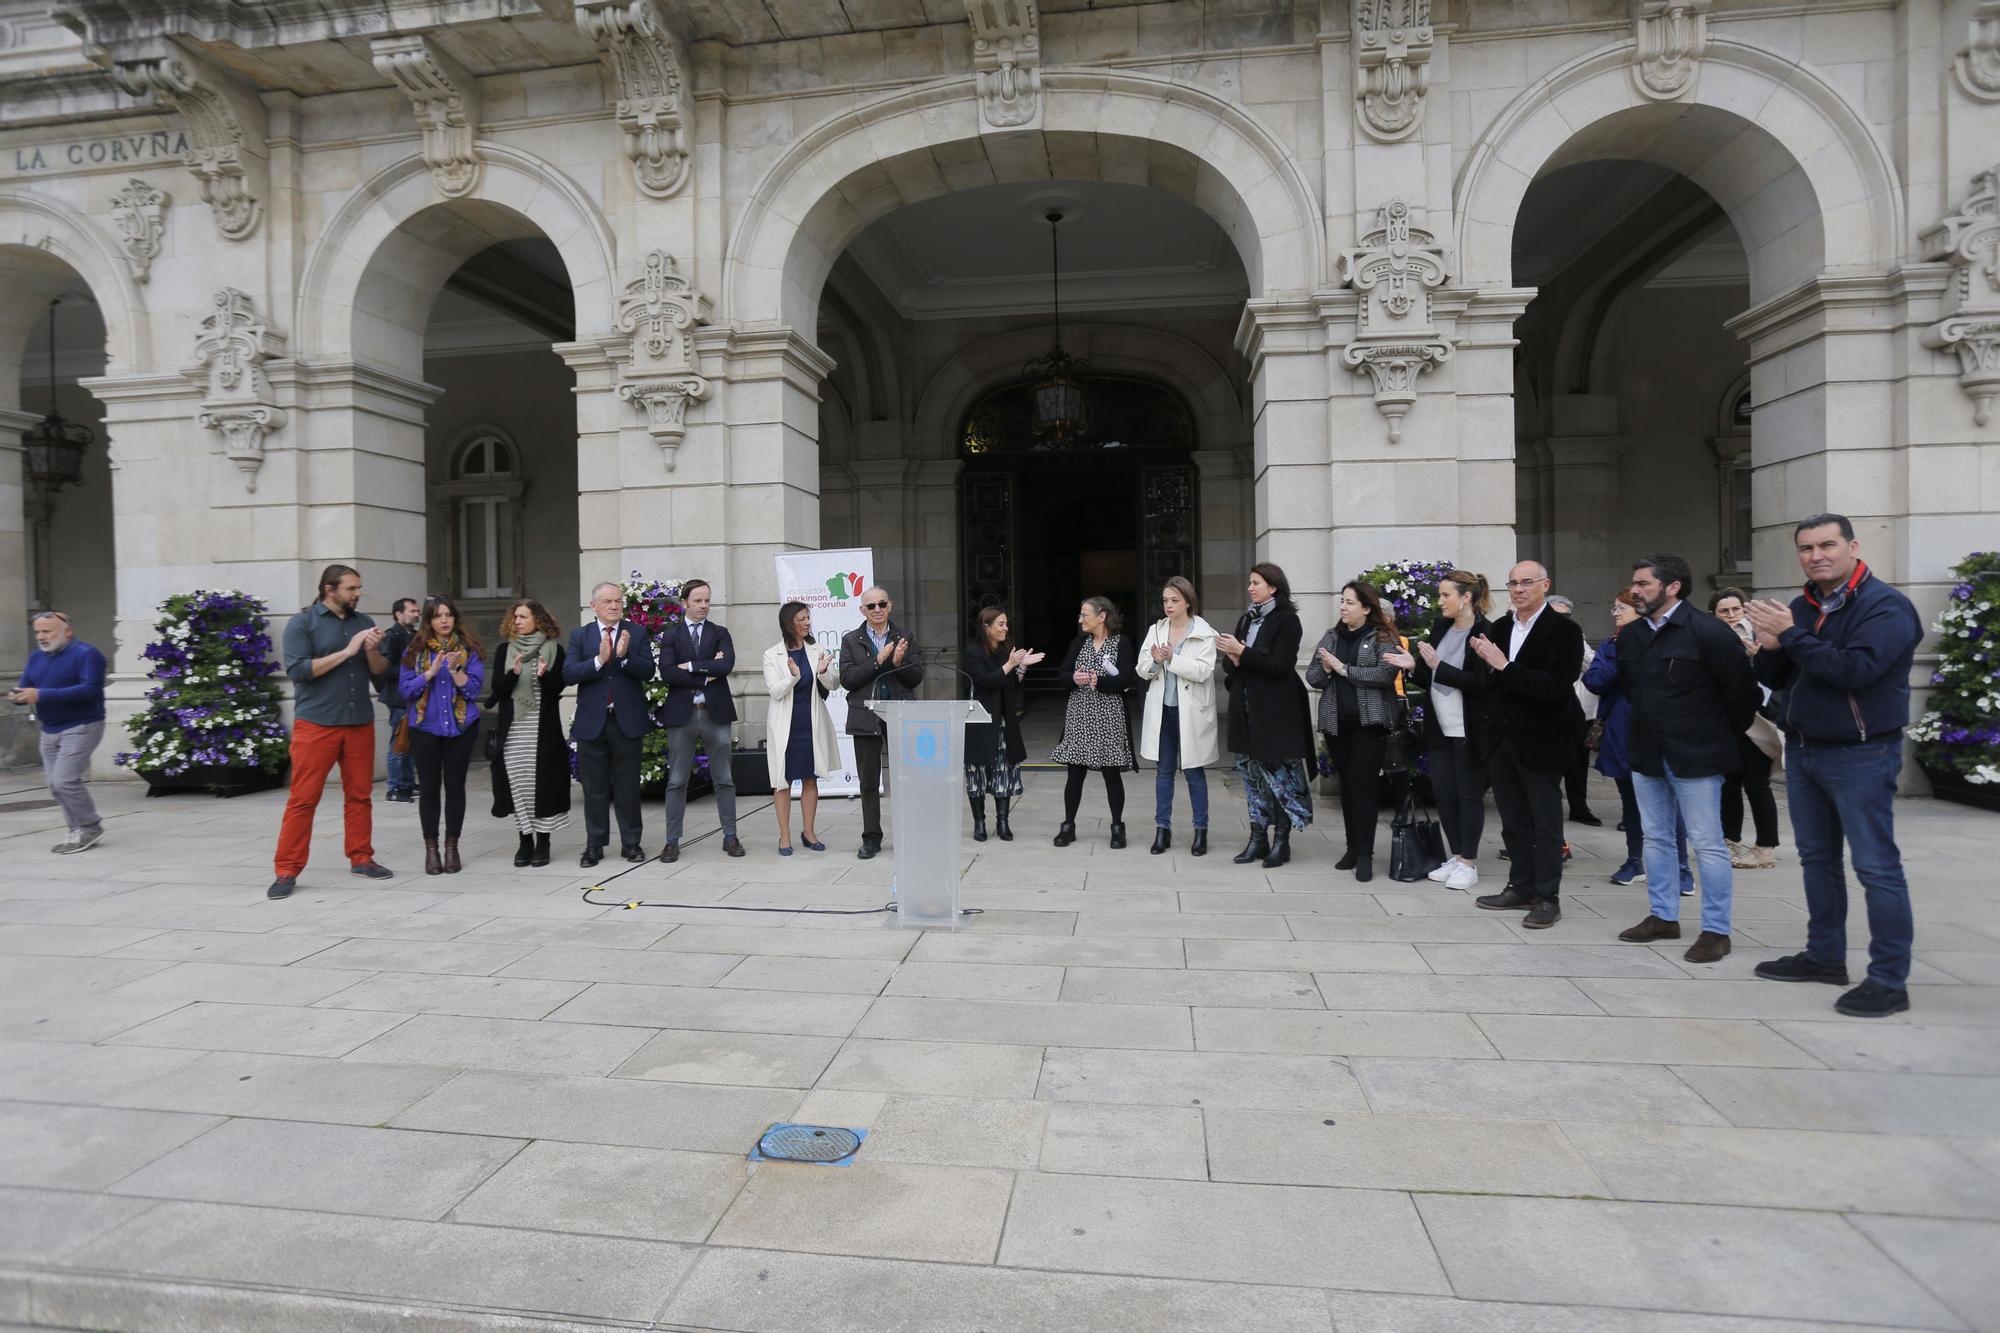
x=1969 y=240
x=660 y=310
x=1672 y=35
x=1392 y=53
x=229 y=353
x=646 y=61
x=446 y=99
x=1006 y=62
x=1977 y=67
x=1396 y=269
x=219 y=153
x=139 y=211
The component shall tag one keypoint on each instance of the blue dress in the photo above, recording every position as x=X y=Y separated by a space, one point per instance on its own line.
x=799 y=745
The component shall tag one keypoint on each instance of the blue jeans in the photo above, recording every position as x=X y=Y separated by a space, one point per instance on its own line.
x=402 y=767
x=1850 y=790
x=1163 y=775
x=1698 y=804
x=1635 y=833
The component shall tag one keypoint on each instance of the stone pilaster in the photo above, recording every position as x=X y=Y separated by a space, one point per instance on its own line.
x=17 y=734
x=1584 y=456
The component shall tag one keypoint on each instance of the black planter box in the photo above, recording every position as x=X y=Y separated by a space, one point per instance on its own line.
x=217 y=780
x=1949 y=785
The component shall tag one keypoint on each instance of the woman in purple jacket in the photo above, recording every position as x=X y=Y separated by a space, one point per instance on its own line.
x=442 y=672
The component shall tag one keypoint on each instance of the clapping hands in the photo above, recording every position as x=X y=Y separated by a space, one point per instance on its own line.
x=1489 y=653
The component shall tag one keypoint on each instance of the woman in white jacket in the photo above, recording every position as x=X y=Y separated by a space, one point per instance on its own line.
x=797 y=726
x=1177 y=660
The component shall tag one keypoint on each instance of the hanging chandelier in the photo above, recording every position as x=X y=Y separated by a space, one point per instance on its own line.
x=53 y=449
x=1062 y=411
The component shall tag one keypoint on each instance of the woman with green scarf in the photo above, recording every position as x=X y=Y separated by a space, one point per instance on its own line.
x=530 y=758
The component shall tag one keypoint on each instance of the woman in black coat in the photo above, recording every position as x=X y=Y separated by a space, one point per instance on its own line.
x=994 y=750
x=530 y=763
x=1455 y=725
x=1102 y=664
x=1270 y=721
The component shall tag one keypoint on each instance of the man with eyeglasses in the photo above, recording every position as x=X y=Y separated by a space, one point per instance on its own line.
x=64 y=683
x=1839 y=659
x=877 y=661
x=1535 y=665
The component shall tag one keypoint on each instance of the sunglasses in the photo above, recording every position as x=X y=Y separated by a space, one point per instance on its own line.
x=874 y=606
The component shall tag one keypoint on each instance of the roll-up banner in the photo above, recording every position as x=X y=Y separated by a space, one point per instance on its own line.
x=831 y=583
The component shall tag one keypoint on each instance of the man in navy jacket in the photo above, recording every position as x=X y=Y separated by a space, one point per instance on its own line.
x=609 y=663
x=696 y=658
x=1839 y=659
x=64 y=683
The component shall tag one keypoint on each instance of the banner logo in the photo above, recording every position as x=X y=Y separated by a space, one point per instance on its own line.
x=843 y=586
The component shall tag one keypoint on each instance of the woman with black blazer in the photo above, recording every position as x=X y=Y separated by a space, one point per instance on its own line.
x=1270 y=722
x=1102 y=664
x=1455 y=724
x=994 y=750
x=1354 y=668
x=530 y=761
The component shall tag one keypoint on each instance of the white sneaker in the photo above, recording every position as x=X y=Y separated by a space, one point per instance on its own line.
x=67 y=845
x=1444 y=872
x=83 y=841
x=1462 y=877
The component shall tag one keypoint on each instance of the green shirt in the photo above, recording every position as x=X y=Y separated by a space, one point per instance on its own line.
x=344 y=696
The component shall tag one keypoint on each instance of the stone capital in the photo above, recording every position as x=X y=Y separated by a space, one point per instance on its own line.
x=446 y=100
x=1396 y=269
x=647 y=66
x=1007 y=62
x=1669 y=39
x=1969 y=241
x=1392 y=54
x=225 y=123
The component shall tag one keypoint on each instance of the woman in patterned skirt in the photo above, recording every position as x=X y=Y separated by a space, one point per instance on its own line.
x=1103 y=666
x=1270 y=723
x=995 y=666
x=530 y=758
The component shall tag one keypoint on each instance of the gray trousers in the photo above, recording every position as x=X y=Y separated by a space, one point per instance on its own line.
x=715 y=740
x=65 y=764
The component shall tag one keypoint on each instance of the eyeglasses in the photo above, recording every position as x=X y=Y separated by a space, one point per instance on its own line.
x=874 y=606
x=1515 y=585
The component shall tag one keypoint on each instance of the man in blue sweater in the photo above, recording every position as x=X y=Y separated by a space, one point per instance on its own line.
x=1839 y=660
x=64 y=684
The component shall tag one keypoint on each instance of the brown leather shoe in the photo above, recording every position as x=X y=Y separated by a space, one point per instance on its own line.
x=452 y=865
x=1652 y=928
x=433 y=865
x=1543 y=913
x=1509 y=899
x=1708 y=947
x=670 y=853
x=732 y=847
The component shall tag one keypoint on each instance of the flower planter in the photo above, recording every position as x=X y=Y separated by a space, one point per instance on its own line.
x=215 y=779
x=1949 y=785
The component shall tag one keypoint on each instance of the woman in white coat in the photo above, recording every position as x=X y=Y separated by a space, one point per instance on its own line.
x=1177 y=660
x=798 y=725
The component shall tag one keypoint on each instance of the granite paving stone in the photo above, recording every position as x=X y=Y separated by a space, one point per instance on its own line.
x=1910 y=1048
x=1545 y=960
x=288 y=1087
x=840 y=976
x=221 y=946
x=1370 y=1239
x=241 y=983
x=761 y=1292
x=1667 y=1041
x=636 y=967
x=81 y=941
x=1048 y=951
x=324 y=1168
x=976 y=981
x=1316 y=1032
x=751 y=1059
x=1021 y=1023
x=802 y=1013
x=958 y=1131
x=1953 y=1259
x=790 y=942
x=577 y=1109
x=1085 y=1138
x=883 y=1210
x=1842 y=1099
x=452 y=956
x=646 y=1193
x=438 y=993
x=1457 y=995
x=59 y=1071
x=1740 y=1261
x=1401 y=1152
x=265 y=1029
x=627 y=930
x=939 y=1068
x=85 y=1147
x=40 y=1226
x=1531 y=1089
x=1177 y=925
x=1444 y=1314
x=1199 y=1078
x=1184 y=986
x=505 y=1043
x=1305 y=956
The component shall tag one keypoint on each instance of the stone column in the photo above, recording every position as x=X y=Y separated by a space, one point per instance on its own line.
x=1285 y=344
x=1480 y=379
x=17 y=734
x=1226 y=524
x=1585 y=452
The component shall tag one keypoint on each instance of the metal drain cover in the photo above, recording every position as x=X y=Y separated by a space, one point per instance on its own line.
x=825 y=1145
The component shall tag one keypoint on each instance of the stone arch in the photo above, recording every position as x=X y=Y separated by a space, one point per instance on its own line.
x=1806 y=183
x=379 y=264
x=857 y=165
x=49 y=230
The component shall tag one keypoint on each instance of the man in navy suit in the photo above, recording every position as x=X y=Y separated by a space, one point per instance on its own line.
x=696 y=658
x=609 y=663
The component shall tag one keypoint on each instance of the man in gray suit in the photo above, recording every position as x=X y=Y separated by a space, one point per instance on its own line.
x=877 y=661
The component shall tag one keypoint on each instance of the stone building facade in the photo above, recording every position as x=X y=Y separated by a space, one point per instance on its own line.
x=376 y=281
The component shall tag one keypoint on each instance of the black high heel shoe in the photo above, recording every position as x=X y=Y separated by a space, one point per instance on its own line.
x=1162 y=839
x=1199 y=847
x=1281 y=849
x=1255 y=850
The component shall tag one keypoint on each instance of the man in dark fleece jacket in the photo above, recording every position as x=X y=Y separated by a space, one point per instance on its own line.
x=64 y=684
x=1839 y=660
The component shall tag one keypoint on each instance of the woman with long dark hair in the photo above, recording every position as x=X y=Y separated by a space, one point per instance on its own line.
x=1753 y=781
x=1102 y=666
x=530 y=758
x=1270 y=724
x=1177 y=729
x=996 y=666
x=1353 y=671
x=1458 y=684
x=799 y=674
x=443 y=669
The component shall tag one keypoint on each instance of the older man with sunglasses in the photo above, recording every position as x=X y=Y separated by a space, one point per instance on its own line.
x=877 y=661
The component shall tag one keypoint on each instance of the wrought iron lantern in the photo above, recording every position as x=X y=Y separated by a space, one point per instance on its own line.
x=53 y=448
x=1061 y=408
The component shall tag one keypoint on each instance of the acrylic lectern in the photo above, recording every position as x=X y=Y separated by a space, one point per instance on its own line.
x=925 y=747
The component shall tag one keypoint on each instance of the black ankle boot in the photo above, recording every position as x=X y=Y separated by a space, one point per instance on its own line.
x=526 y=850
x=1117 y=834
x=978 y=818
x=1281 y=848
x=1162 y=839
x=1199 y=847
x=1347 y=860
x=1254 y=850
x=541 y=856
x=1066 y=834
x=1001 y=828
x=1364 y=868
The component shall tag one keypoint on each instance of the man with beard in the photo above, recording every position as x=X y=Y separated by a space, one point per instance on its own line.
x=64 y=683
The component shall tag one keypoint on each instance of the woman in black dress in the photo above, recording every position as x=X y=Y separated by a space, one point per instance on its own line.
x=530 y=757
x=1270 y=722
x=798 y=721
x=994 y=750
x=1103 y=667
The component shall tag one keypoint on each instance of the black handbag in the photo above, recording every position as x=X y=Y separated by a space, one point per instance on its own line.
x=1405 y=743
x=1416 y=846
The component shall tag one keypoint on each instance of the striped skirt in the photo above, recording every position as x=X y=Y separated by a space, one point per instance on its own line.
x=520 y=760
